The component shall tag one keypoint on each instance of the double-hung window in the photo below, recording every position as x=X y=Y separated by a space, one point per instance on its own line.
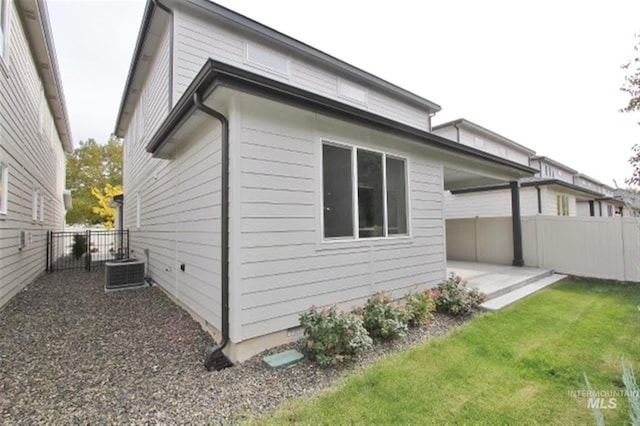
x=4 y=188
x=35 y=204
x=4 y=29
x=563 y=205
x=364 y=193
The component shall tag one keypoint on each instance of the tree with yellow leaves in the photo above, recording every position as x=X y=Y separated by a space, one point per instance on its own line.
x=104 y=197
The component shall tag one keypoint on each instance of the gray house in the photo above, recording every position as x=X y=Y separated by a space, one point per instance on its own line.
x=263 y=176
x=34 y=136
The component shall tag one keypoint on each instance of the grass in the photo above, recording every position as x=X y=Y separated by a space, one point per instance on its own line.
x=518 y=365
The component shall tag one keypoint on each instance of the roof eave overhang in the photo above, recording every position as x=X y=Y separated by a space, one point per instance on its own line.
x=216 y=74
x=534 y=183
x=35 y=20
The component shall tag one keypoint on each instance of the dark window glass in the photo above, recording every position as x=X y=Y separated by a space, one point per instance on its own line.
x=337 y=186
x=396 y=197
x=370 y=202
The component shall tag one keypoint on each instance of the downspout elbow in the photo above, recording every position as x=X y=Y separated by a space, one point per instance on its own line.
x=457 y=133
x=216 y=359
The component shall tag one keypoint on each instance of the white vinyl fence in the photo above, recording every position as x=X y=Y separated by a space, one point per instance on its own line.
x=599 y=247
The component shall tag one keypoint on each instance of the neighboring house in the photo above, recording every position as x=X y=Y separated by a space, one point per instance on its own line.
x=263 y=176
x=34 y=136
x=605 y=205
x=471 y=134
x=551 y=191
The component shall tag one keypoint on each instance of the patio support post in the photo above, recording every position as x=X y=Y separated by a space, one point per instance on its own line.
x=518 y=259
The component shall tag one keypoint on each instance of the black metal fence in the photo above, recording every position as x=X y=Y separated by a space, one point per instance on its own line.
x=85 y=250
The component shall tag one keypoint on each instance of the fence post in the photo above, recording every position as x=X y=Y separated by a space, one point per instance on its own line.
x=88 y=255
x=48 y=250
x=127 y=254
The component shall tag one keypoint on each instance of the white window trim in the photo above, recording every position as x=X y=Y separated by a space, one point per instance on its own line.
x=41 y=209
x=4 y=197
x=354 y=180
x=4 y=43
x=140 y=118
x=138 y=212
x=35 y=204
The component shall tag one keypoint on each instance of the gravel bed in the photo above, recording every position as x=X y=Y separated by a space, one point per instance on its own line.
x=69 y=353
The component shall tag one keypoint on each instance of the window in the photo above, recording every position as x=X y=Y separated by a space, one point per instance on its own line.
x=370 y=194
x=42 y=114
x=138 y=210
x=396 y=196
x=35 y=204
x=4 y=29
x=4 y=187
x=609 y=210
x=140 y=118
x=563 y=205
x=338 y=191
x=377 y=183
x=41 y=209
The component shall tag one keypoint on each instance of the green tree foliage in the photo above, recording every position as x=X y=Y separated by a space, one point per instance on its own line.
x=631 y=86
x=92 y=165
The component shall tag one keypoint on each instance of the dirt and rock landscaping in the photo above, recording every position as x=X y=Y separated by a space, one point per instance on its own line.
x=71 y=353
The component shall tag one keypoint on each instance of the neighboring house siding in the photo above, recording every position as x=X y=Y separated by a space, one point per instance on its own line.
x=198 y=38
x=179 y=200
x=484 y=143
x=489 y=203
x=583 y=209
x=554 y=172
x=282 y=266
x=550 y=202
x=31 y=148
x=448 y=132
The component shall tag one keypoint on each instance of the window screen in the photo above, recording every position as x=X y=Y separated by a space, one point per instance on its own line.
x=396 y=197
x=370 y=202
x=337 y=188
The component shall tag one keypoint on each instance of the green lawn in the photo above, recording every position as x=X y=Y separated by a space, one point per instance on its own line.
x=514 y=366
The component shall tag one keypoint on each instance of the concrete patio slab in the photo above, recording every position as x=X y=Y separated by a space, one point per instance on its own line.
x=507 y=299
x=504 y=282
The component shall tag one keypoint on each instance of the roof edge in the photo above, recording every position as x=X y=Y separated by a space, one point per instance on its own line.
x=481 y=129
x=277 y=37
x=214 y=73
x=308 y=50
x=554 y=162
x=63 y=126
x=142 y=32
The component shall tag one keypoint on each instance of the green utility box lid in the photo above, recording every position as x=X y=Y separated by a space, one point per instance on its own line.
x=283 y=359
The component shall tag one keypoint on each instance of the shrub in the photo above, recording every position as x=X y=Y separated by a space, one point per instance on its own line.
x=418 y=308
x=382 y=318
x=453 y=297
x=331 y=337
x=79 y=245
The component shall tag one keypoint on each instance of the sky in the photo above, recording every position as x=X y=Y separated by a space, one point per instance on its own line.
x=545 y=74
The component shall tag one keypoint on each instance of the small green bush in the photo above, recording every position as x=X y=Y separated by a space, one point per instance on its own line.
x=332 y=337
x=79 y=245
x=418 y=308
x=382 y=318
x=453 y=297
